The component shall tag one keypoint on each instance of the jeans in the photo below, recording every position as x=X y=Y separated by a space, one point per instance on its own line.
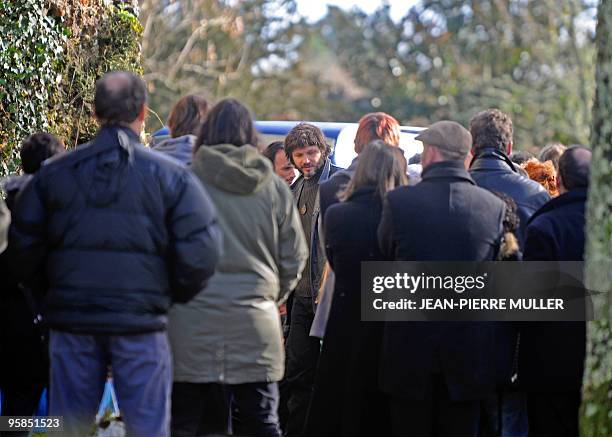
x=142 y=375
x=211 y=409
x=514 y=415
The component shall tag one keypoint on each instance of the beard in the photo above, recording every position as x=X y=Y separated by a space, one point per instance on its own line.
x=311 y=170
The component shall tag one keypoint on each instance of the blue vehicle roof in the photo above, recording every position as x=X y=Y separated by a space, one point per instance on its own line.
x=330 y=129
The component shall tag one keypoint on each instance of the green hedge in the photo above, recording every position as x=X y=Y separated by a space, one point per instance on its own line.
x=51 y=53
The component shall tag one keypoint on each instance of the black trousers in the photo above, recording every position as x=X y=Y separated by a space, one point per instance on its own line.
x=553 y=414
x=218 y=409
x=436 y=415
x=302 y=355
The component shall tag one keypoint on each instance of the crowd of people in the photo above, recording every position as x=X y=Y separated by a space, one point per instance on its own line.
x=219 y=283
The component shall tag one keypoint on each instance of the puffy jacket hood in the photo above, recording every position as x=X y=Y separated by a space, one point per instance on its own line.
x=15 y=183
x=239 y=170
x=180 y=148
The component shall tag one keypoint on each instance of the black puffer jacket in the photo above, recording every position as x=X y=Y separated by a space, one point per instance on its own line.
x=120 y=232
x=492 y=170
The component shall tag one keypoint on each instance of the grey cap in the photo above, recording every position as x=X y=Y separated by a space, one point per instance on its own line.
x=447 y=135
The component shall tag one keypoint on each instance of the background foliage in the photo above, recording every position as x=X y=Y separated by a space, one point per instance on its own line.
x=597 y=396
x=51 y=53
x=444 y=59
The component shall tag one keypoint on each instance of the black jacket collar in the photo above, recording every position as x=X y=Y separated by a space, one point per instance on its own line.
x=363 y=193
x=108 y=134
x=453 y=170
x=577 y=195
x=492 y=159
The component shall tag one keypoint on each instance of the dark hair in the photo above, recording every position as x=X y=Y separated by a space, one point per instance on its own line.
x=187 y=115
x=552 y=152
x=37 y=148
x=305 y=135
x=272 y=149
x=228 y=122
x=511 y=219
x=377 y=126
x=119 y=98
x=380 y=165
x=574 y=167
x=509 y=247
x=491 y=128
x=521 y=156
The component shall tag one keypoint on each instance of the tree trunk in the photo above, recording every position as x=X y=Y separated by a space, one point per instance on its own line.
x=597 y=394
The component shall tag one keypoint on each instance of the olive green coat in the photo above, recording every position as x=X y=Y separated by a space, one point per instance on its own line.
x=230 y=332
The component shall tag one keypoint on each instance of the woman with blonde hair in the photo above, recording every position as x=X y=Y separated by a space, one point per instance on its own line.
x=346 y=401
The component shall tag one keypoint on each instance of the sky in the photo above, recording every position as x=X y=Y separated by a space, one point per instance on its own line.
x=314 y=10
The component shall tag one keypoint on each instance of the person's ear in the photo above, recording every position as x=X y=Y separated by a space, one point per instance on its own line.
x=468 y=160
x=509 y=148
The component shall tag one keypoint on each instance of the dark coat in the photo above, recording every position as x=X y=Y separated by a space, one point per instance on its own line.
x=492 y=170
x=26 y=356
x=551 y=354
x=346 y=401
x=121 y=232
x=445 y=217
x=328 y=191
x=317 y=250
x=5 y=221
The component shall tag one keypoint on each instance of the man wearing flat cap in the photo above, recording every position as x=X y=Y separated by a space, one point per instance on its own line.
x=436 y=373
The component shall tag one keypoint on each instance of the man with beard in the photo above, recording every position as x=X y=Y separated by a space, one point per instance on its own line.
x=309 y=153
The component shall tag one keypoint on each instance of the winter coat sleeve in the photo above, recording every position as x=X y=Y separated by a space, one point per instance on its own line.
x=385 y=232
x=5 y=221
x=195 y=240
x=28 y=231
x=539 y=244
x=292 y=249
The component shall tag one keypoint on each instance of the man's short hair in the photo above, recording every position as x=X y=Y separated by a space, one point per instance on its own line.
x=272 y=149
x=377 y=126
x=491 y=128
x=552 y=152
x=38 y=147
x=119 y=98
x=304 y=135
x=575 y=166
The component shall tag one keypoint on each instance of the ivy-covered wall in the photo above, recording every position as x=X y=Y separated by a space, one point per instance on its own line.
x=51 y=54
x=597 y=395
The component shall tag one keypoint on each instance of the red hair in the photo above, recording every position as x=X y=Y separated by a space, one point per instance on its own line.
x=377 y=126
x=544 y=173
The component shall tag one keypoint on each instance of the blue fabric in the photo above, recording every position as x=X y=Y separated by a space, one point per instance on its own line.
x=121 y=232
x=514 y=414
x=180 y=148
x=142 y=372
